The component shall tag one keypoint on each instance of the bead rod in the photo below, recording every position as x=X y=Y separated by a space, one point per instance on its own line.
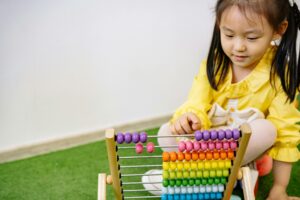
x=166 y=136
x=133 y=175
x=136 y=183
x=133 y=147
x=143 y=197
x=136 y=157
x=139 y=166
x=140 y=190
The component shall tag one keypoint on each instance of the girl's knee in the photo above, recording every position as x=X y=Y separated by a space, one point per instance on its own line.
x=264 y=129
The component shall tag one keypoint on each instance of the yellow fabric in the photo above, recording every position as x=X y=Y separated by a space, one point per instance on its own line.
x=254 y=91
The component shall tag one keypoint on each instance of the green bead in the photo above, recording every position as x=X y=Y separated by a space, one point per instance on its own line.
x=223 y=180
x=178 y=182
x=204 y=181
x=172 y=182
x=210 y=181
x=191 y=182
x=185 y=182
x=165 y=183
x=217 y=181
x=197 y=182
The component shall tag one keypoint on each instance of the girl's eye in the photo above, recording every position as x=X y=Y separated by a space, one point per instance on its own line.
x=252 y=38
x=229 y=36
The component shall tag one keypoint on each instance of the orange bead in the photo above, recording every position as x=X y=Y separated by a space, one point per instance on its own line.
x=202 y=156
x=194 y=156
x=216 y=155
x=180 y=156
x=223 y=155
x=166 y=156
x=230 y=154
x=187 y=156
x=173 y=156
x=209 y=155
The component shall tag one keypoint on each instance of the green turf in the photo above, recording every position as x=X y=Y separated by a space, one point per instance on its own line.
x=72 y=174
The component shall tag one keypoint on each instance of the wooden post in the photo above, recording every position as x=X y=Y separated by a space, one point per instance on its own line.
x=101 y=187
x=113 y=163
x=246 y=181
x=246 y=133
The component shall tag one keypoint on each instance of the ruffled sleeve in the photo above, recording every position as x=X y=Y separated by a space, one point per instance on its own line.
x=285 y=116
x=199 y=99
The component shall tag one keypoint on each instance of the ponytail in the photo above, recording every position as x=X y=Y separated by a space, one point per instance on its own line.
x=285 y=63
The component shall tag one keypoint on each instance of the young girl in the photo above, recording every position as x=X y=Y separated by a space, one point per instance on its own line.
x=246 y=79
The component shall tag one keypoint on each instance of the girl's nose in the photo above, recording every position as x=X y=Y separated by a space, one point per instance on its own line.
x=239 y=45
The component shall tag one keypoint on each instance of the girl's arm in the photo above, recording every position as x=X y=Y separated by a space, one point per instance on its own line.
x=281 y=173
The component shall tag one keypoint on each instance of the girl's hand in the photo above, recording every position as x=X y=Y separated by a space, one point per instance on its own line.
x=279 y=193
x=186 y=124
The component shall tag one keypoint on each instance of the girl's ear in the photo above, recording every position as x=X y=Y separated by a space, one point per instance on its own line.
x=281 y=30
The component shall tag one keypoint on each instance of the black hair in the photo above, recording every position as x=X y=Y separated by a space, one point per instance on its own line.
x=284 y=64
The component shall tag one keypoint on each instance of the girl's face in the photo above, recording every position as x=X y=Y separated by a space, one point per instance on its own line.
x=244 y=39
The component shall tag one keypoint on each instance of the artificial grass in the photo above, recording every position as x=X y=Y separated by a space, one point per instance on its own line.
x=73 y=174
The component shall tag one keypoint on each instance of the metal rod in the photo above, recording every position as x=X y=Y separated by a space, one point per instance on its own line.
x=133 y=147
x=133 y=175
x=166 y=136
x=134 y=157
x=143 y=197
x=136 y=183
x=140 y=190
x=139 y=166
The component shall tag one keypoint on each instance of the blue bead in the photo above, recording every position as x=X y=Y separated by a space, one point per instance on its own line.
x=206 y=196
x=219 y=195
x=213 y=195
x=182 y=197
x=164 y=197
x=194 y=196
x=188 y=197
x=200 y=196
x=176 y=197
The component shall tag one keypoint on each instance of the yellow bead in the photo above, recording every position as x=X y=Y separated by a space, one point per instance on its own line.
x=207 y=165
x=219 y=173
x=165 y=174
x=179 y=165
x=173 y=166
x=221 y=164
x=212 y=173
x=187 y=165
x=179 y=174
x=172 y=175
x=214 y=165
x=225 y=172
x=194 y=165
x=200 y=165
x=205 y=173
x=227 y=164
x=199 y=174
x=166 y=165
x=193 y=174
x=186 y=174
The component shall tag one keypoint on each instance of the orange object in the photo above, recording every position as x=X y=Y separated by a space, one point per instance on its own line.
x=180 y=156
x=230 y=155
x=187 y=156
x=173 y=156
x=194 y=156
x=216 y=155
x=166 y=156
x=223 y=155
x=209 y=155
x=202 y=156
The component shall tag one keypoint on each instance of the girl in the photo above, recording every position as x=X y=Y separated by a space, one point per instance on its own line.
x=246 y=79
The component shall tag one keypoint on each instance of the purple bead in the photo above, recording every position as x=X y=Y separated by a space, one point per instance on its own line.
x=228 y=134
x=128 y=138
x=135 y=137
x=213 y=134
x=236 y=134
x=198 y=135
x=143 y=137
x=221 y=134
x=120 y=138
x=206 y=135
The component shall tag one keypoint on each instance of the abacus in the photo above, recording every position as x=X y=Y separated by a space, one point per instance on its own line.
x=205 y=166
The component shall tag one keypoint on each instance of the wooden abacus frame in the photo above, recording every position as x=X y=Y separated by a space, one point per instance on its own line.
x=114 y=178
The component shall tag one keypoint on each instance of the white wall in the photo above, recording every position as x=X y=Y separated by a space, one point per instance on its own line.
x=69 y=66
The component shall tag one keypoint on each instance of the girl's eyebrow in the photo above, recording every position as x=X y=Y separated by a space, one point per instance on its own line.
x=255 y=31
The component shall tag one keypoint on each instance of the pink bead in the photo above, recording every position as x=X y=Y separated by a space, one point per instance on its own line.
x=181 y=146
x=139 y=148
x=150 y=147
x=203 y=146
x=189 y=146
x=211 y=146
x=225 y=145
x=233 y=145
x=196 y=146
x=218 y=145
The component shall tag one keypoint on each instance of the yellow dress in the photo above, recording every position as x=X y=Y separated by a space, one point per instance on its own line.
x=251 y=98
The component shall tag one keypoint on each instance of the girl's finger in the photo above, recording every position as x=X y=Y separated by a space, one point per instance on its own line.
x=185 y=124
x=178 y=128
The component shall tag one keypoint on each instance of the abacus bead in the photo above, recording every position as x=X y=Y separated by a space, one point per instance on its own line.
x=219 y=195
x=236 y=134
x=150 y=147
x=203 y=146
x=209 y=155
x=230 y=154
x=143 y=137
x=221 y=134
x=181 y=146
x=120 y=138
x=165 y=156
x=186 y=165
x=212 y=173
x=211 y=146
x=128 y=138
x=197 y=182
x=201 y=165
x=186 y=174
x=207 y=165
x=139 y=148
x=200 y=196
x=217 y=180
x=225 y=172
x=164 y=190
x=135 y=137
x=223 y=155
x=165 y=183
x=194 y=156
x=214 y=165
x=218 y=145
x=206 y=135
x=179 y=165
x=220 y=187
x=210 y=181
x=177 y=188
x=173 y=165
x=218 y=173
x=199 y=174
x=180 y=156
x=223 y=181
x=173 y=156
x=194 y=196
x=182 y=197
x=193 y=165
x=212 y=196
x=228 y=134
x=206 y=173
x=227 y=164
x=213 y=135
x=233 y=145
x=190 y=190
x=164 y=197
x=166 y=166
x=178 y=183
x=221 y=164
x=225 y=145
x=189 y=146
x=170 y=197
x=216 y=155
x=171 y=190
x=208 y=188
x=178 y=174
x=188 y=197
x=206 y=196
x=193 y=174
x=204 y=181
x=165 y=174
x=214 y=188
x=202 y=188
x=184 y=183
x=176 y=197
x=187 y=156
x=198 y=135
x=172 y=182
x=196 y=146
x=172 y=174
x=196 y=189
